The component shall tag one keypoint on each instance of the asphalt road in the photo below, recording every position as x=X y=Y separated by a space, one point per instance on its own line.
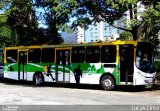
x=77 y=96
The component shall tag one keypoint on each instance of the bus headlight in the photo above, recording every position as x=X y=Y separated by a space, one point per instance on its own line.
x=149 y=81
x=6 y=74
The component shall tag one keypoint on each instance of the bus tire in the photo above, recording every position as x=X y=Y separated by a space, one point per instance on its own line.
x=107 y=83
x=38 y=79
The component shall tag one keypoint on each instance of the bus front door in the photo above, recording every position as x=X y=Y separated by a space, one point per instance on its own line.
x=126 y=54
x=62 y=65
x=22 y=65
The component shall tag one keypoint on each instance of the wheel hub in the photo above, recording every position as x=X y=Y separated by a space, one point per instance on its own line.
x=108 y=82
x=38 y=79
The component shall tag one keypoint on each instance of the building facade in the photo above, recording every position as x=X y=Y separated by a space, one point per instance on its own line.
x=99 y=31
x=102 y=31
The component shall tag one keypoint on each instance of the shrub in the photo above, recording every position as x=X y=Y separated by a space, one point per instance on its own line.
x=157 y=66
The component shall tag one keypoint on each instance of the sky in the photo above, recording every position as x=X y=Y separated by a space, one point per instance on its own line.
x=41 y=22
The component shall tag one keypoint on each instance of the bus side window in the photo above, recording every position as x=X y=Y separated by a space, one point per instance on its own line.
x=108 y=54
x=11 y=56
x=34 y=56
x=93 y=54
x=48 y=55
x=78 y=54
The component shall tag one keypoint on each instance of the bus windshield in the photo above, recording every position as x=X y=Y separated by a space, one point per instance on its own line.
x=145 y=57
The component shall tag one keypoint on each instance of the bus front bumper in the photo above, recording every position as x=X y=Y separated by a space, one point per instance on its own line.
x=151 y=81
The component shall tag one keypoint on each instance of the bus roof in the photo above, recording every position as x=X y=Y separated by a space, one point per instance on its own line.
x=117 y=42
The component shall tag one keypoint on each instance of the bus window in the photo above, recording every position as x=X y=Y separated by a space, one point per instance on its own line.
x=34 y=56
x=48 y=55
x=78 y=54
x=11 y=56
x=93 y=54
x=108 y=54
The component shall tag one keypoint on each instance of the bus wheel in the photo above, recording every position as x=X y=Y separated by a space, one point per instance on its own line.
x=107 y=83
x=38 y=79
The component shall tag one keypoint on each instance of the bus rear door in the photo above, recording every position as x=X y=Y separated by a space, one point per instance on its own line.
x=62 y=65
x=22 y=65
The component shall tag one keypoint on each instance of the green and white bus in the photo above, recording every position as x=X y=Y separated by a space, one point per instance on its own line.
x=107 y=63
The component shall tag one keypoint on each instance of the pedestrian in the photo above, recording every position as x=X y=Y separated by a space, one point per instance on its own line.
x=77 y=74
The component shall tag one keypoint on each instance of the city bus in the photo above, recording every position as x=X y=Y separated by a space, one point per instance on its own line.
x=107 y=63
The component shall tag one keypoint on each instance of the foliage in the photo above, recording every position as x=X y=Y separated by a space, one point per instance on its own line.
x=87 y=11
x=111 y=11
x=4 y=4
x=22 y=20
x=126 y=36
x=19 y=24
x=6 y=35
x=151 y=27
x=54 y=23
x=157 y=65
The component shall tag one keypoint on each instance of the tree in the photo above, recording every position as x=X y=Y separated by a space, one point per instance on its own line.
x=4 y=4
x=125 y=11
x=114 y=10
x=7 y=37
x=22 y=20
x=151 y=27
x=5 y=30
x=54 y=22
